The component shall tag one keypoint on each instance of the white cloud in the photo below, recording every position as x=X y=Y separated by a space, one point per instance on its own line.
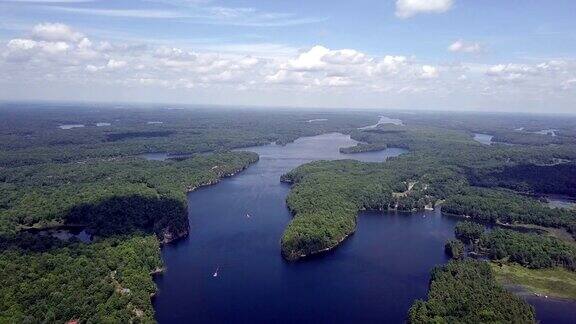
x=429 y=72
x=569 y=84
x=391 y=64
x=511 y=72
x=200 y=14
x=21 y=44
x=332 y=76
x=465 y=47
x=55 y=47
x=344 y=56
x=55 y=32
x=409 y=8
x=115 y=64
x=310 y=60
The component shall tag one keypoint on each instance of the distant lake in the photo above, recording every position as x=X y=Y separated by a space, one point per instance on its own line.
x=483 y=138
x=384 y=120
x=162 y=156
x=551 y=132
x=374 y=276
x=316 y=120
x=559 y=201
x=70 y=126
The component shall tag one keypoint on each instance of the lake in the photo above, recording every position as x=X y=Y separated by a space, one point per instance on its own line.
x=560 y=201
x=71 y=126
x=374 y=276
x=384 y=120
x=162 y=156
x=483 y=138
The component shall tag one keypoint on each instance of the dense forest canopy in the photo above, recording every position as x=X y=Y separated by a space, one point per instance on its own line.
x=443 y=164
x=467 y=292
x=79 y=165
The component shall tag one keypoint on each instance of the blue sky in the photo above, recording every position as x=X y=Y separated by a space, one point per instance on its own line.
x=420 y=54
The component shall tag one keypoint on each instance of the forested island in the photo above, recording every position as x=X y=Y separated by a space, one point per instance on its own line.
x=94 y=178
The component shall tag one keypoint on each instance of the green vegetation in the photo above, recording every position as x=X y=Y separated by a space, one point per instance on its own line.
x=498 y=206
x=122 y=202
x=530 y=250
x=443 y=164
x=555 y=282
x=325 y=204
x=455 y=249
x=359 y=148
x=468 y=232
x=107 y=281
x=327 y=196
x=110 y=197
x=29 y=134
x=90 y=177
x=542 y=264
x=467 y=292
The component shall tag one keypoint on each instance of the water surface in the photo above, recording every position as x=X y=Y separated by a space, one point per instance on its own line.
x=162 y=156
x=236 y=226
x=384 y=120
x=71 y=126
x=560 y=201
x=483 y=138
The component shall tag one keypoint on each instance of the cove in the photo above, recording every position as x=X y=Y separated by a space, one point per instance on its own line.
x=373 y=276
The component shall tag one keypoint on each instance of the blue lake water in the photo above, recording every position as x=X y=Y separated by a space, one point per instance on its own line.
x=374 y=276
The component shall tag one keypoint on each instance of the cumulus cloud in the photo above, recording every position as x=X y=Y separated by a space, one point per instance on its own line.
x=55 y=32
x=429 y=72
x=310 y=60
x=39 y=56
x=461 y=46
x=410 y=8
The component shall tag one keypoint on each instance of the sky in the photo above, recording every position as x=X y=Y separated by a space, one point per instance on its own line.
x=489 y=55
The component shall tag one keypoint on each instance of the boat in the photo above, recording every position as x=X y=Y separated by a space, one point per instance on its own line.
x=216 y=272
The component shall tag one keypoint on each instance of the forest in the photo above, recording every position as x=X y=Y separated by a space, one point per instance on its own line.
x=447 y=169
x=93 y=177
x=500 y=206
x=467 y=292
x=129 y=206
x=530 y=250
x=443 y=165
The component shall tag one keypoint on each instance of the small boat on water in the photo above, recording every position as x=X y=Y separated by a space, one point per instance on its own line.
x=216 y=272
x=247 y=215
